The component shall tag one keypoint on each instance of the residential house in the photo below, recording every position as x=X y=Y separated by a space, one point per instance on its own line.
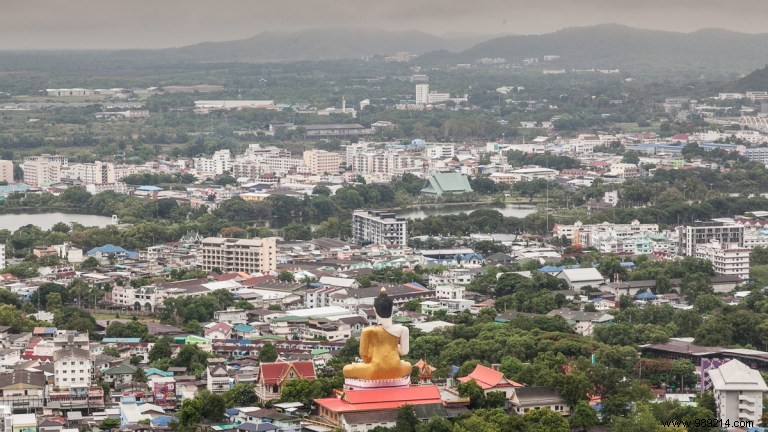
x=532 y=398
x=582 y=277
x=491 y=380
x=273 y=377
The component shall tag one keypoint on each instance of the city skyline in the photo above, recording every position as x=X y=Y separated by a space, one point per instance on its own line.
x=88 y=24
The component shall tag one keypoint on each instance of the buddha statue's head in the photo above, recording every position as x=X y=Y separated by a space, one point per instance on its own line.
x=383 y=305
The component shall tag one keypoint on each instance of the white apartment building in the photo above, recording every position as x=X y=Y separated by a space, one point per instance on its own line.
x=699 y=233
x=388 y=162
x=91 y=173
x=239 y=255
x=43 y=170
x=117 y=187
x=322 y=162
x=122 y=171
x=450 y=292
x=6 y=171
x=378 y=227
x=72 y=367
x=584 y=234
x=738 y=391
x=2 y=256
x=725 y=260
x=440 y=151
x=231 y=316
x=217 y=378
x=625 y=170
x=422 y=94
x=533 y=173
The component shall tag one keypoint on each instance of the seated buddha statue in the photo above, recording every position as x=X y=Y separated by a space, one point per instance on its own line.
x=381 y=346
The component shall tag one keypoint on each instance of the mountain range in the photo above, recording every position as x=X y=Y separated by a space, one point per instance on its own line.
x=320 y=44
x=704 y=52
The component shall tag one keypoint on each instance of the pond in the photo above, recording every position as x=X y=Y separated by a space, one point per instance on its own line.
x=45 y=221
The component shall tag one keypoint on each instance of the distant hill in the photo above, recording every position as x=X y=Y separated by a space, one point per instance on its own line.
x=707 y=52
x=757 y=80
x=318 y=44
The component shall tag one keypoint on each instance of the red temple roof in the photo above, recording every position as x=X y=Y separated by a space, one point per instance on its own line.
x=381 y=399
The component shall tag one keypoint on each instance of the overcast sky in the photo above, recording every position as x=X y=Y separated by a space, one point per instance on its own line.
x=115 y=24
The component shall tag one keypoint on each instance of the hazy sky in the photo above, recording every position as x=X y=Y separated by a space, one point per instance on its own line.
x=113 y=24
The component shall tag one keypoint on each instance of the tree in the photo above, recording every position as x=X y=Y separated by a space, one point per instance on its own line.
x=160 y=350
x=130 y=329
x=53 y=302
x=297 y=231
x=111 y=351
x=545 y=420
x=301 y=390
x=268 y=353
x=74 y=318
x=109 y=424
x=286 y=276
x=89 y=264
x=406 y=420
x=474 y=392
x=583 y=416
x=139 y=376
x=242 y=395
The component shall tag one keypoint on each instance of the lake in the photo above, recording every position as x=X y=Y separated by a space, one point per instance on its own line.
x=514 y=210
x=46 y=220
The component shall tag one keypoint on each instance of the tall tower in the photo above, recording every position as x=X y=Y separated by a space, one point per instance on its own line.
x=343 y=104
x=422 y=94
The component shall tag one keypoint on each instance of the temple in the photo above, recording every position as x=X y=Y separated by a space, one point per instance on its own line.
x=379 y=386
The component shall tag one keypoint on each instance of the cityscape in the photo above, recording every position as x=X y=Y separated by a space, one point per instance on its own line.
x=383 y=228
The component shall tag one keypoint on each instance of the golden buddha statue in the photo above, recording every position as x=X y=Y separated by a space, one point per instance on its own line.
x=381 y=346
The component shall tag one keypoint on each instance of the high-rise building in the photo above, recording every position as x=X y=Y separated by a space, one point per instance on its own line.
x=422 y=94
x=239 y=255
x=725 y=260
x=322 y=162
x=701 y=233
x=6 y=171
x=378 y=227
x=43 y=170
x=2 y=256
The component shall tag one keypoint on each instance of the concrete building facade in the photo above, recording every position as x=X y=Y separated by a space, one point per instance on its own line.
x=239 y=255
x=378 y=227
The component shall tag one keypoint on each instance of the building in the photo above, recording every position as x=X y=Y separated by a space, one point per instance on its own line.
x=217 y=378
x=91 y=173
x=738 y=392
x=533 y=398
x=6 y=171
x=422 y=94
x=491 y=380
x=2 y=256
x=725 y=260
x=239 y=255
x=72 y=367
x=757 y=154
x=340 y=131
x=447 y=183
x=363 y=410
x=700 y=233
x=378 y=227
x=273 y=376
x=23 y=390
x=43 y=170
x=581 y=277
x=322 y=162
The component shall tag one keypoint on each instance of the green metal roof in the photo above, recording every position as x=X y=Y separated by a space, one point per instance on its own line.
x=441 y=183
